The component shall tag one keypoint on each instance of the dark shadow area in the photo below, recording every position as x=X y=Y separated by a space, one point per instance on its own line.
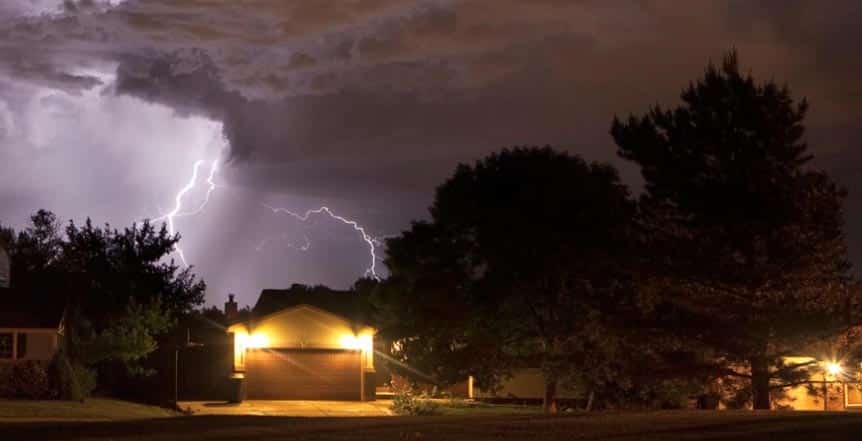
x=599 y=426
x=222 y=404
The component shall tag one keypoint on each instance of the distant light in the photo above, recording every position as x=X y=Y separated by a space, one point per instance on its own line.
x=834 y=368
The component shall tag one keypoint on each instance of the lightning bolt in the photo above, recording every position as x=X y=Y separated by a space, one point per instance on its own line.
x=210 y=189
x=178 y=202
x=177 y=212
x=368 y=239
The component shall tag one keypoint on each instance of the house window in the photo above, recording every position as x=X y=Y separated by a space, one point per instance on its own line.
x=22 y=345
x=6 y=345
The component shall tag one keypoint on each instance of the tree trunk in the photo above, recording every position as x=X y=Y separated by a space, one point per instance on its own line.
x=590 y=401
x=760 y=383
x=550 y=400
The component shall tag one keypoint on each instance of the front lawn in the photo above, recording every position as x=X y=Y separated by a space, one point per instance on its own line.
x=464 y=407
x=91 y=409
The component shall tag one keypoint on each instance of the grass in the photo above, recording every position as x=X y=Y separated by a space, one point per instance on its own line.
x=646 y=426
x=91 y=409
x=476 y=408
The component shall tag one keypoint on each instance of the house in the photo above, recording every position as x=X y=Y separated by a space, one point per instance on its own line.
x=30 y=329
x=525 y=385
x=831 y=386
x=305 y=344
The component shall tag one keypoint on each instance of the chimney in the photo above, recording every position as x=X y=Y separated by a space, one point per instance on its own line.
x=230 y=308
x=5 y=272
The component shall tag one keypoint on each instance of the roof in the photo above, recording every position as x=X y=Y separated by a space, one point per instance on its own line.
x=346 y=304
x=19 y=310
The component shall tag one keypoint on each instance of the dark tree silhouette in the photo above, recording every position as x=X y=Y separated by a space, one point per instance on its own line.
x=748 y=257
x=119 y=291
x=34 y=251
x=522 y=255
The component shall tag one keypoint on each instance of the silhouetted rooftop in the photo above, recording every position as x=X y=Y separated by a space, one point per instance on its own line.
x=20 y=310
x=346 y=304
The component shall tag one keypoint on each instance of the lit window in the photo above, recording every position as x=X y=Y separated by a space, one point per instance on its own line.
x=6 y=345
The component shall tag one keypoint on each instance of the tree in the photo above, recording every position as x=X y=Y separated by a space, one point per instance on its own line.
x=748 y=258
x=34 y=251
x=125 y=291
x=111 y=267
x=523 y=253
x=120 y=292
x=127 y=339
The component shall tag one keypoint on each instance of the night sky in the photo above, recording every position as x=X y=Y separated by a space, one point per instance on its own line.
x=363 y=106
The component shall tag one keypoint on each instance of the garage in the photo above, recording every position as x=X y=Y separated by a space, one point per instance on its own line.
x=303 y=374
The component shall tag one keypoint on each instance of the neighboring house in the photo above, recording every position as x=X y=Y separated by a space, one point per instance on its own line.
x=836 y=388
x=524 y=385
x=305 y=344
x=29 y=329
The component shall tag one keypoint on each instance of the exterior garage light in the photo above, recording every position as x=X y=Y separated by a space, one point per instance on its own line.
x=254 y=341
x=363 y=342
x=258 y=340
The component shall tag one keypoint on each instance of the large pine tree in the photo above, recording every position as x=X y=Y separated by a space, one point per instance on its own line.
x=746 y=240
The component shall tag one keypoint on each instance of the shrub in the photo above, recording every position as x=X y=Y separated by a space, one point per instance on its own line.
x=71 y=381
x=404 y=403
x=5 y=381
x=27 y=380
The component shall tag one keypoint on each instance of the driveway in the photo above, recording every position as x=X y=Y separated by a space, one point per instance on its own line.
x=291 y=408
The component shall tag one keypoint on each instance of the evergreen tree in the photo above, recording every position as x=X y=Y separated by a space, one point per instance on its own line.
x=747 y=254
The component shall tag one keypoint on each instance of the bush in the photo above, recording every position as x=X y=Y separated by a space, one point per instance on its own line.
x=404 y=403
x=26 y=380
x=5 y=381
x=71 y=381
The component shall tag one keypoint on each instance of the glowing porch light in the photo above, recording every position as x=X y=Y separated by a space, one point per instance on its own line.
x=254 y=341
x=258 y=340
x=363 y=342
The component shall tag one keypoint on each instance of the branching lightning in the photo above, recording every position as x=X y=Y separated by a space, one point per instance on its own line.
x=178 y=211
x=210 y=190
x=178 y=202
x=368 y=239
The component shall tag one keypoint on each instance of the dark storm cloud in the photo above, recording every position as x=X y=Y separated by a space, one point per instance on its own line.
x=451 y=80
x=385 y=80
x=18 y=64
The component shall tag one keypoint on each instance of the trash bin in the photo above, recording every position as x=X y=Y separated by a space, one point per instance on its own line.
x=237 y=388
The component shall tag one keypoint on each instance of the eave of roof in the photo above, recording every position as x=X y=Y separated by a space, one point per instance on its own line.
x=19 y=311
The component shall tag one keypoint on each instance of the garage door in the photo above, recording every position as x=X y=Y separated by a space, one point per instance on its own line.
x=303 y=374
